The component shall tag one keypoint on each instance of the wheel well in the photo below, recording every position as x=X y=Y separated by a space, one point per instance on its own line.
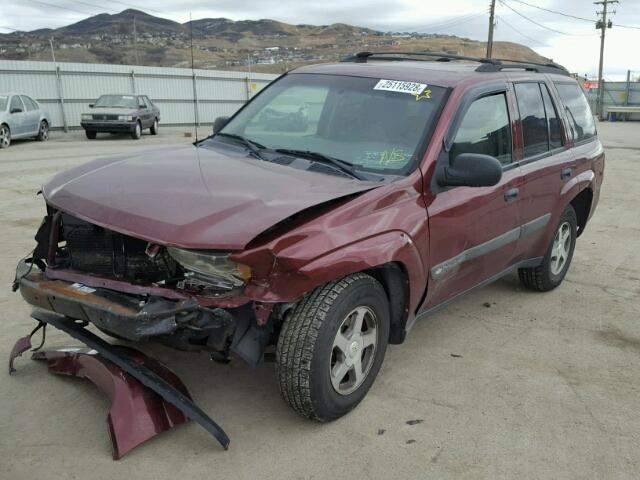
x=395 y=281
x=582 y=206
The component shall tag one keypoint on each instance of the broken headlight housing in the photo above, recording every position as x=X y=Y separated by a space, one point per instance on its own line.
x=211 y=268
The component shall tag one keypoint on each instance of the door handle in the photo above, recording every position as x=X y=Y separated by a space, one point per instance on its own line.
x=511 y=194
x=565 y=173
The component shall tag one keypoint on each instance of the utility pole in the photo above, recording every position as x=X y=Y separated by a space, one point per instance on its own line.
x=53 y=55
x=602 y=25
x=135 y=40
x=492 y=12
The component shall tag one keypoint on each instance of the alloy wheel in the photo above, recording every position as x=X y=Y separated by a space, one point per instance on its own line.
x=5 y=136
x=561 y=248
x=353 y=350
x=44 y=131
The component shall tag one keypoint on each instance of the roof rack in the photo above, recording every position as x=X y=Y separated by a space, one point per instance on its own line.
x=487 y=64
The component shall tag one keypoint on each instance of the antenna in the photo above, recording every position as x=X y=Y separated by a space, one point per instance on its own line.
x=193 y=74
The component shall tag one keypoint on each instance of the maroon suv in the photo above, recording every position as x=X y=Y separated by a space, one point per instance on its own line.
x=329 y=214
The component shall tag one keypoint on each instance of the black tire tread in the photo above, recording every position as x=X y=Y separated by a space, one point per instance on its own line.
x=535 y=278
x=297 y=340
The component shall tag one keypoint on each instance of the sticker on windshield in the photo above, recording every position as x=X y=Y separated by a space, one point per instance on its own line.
x=418 y=90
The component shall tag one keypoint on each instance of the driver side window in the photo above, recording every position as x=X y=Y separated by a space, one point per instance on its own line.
x=485 y=129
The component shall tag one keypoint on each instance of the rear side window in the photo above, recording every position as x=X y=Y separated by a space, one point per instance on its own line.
x=535 y=133
x=147 y=102
x=577 y=110
x=28 y=103
x=16 y=103
x=555 y=132
x=485 y=129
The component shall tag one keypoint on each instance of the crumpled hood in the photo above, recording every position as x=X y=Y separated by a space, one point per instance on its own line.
x=192 y=197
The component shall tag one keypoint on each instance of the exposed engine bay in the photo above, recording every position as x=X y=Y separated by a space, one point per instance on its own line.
x=136 y=290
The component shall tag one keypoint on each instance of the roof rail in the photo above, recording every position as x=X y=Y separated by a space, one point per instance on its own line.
x=487 y=64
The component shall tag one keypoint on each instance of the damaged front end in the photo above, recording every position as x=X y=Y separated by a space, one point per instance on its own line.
x=136 y=290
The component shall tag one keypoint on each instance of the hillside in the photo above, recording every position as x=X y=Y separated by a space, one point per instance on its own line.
x=226 y=44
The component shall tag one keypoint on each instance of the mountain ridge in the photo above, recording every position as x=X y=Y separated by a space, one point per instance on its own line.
x=136 y=37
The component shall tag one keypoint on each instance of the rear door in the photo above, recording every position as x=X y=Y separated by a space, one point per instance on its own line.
x=547 y=164
x=17 y=117
x=473 y=231
x=32 y=117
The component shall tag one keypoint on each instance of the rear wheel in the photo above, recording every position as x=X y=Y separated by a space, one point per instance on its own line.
x=332 y=346
x=5 y=136
x=136 y=133
x=154 y=127
x=43 y=131
x=555 y=264
x=91 y=134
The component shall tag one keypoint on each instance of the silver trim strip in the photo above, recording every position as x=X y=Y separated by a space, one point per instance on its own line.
x=443 y=268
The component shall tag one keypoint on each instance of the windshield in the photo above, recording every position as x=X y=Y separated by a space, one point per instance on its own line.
x=124 y=101
x=3 y=103
x=375 y=124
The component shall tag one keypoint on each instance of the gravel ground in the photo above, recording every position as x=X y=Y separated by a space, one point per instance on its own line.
x=533 y=386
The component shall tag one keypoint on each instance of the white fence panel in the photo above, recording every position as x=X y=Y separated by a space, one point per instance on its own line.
x=66 y=89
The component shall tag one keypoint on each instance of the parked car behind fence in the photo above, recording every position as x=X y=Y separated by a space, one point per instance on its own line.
x=21 y=117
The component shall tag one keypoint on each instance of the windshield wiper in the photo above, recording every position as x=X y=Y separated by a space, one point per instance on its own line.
x=253 y=147
x=341 y=165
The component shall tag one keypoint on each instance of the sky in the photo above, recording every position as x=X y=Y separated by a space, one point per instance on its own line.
x=573 y=43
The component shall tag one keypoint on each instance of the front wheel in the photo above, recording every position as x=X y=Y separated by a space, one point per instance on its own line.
x=136 y=133
x=332 y=346
x=5 y=136
x=555 y=264
x=91 y=134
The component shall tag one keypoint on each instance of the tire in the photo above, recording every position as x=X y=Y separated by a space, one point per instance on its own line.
x=154 y=128
x=307 y=354
x=91 y=134
x=136 y=133
x=5 y=136
x=555 y=264
x=43 y=131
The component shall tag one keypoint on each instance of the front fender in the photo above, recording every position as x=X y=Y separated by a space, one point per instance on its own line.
x=391 y=246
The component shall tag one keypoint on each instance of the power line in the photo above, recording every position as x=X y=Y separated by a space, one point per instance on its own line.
x=60 y=6
x=444 y=23
x=137 y=6
x=555 y=11
x=537 y=23
x=625 y=26
x=518 y=31
x=94 y=6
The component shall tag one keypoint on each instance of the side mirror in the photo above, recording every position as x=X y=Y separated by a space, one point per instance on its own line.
x=91 y=105
x=16 y=110
x=219 y=124
x=470 y=170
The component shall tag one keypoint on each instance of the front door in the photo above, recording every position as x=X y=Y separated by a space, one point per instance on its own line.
x=17 y=117
x=474 y=231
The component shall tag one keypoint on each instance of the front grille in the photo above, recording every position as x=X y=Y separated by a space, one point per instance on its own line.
x=93 y=249
x=105 y=117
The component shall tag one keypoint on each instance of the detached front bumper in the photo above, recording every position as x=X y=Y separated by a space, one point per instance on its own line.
x=179 y=322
